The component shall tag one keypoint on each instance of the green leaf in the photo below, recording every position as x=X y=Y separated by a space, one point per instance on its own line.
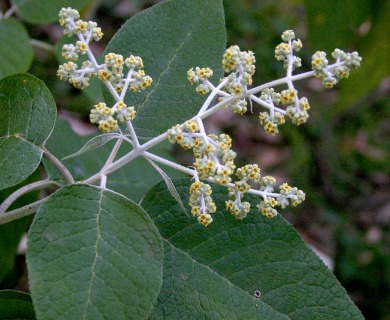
x=15 y=51
x=94 y=143
x=38 y=11
x=16 y=305
x=28 y=113
x=132 y=180
x=171 y=38
x=93 y=254
x=216 y=270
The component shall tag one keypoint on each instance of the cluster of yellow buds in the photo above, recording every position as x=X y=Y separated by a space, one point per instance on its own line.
x=345 y=62
x=110 y=72
x=284 y=51
x=72 y=24
x=201 y=203
x=286 y=196
x=214 y=158
x=199 y=76
x=235 y=206
x=104 y=116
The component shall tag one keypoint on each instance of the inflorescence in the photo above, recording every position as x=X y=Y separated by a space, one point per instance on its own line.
x=214 y=158
x=111 y=72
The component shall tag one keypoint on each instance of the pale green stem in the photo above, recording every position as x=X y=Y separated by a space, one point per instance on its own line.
x=23 y=190
x=110 y=159
x=42 y=45
x=168 y=163
x=10 y=11
x=211 y=97
x=21 y=212
x=59 y=165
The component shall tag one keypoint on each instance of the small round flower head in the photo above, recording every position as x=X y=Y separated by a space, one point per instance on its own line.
x=288 y=35
x=329 y=81
x=319 y=64
x=69 y=52
x=241 y=66
x=104 y=75
x=115 y=62
x=103 y=116
x=282 y=51
x=239 y=209
x=202 y=89
x=68 y=15
x=81 y=47
x=205 y=219
x=237 y=106
x=266 y=209
x=199 y=77
x=267 y=183
x=123 y=112
x=249 y=172
x=269 y=95
x=184 y=134
x=66 y=70
x=353 y=60
x=288 y=96
x=134 y=62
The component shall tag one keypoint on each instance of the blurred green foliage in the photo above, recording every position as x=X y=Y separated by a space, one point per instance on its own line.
x=340 y=158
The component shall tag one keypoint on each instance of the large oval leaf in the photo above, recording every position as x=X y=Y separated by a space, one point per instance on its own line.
x=27 y=113
x=171 y=38
x=93 y=254
x=216 y=270
x=38 y=11
x=15 y=51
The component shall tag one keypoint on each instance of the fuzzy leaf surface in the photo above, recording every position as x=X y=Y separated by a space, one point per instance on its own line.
x=216 y=270
x=92 y=254
x=15 y=51
x=171 y=38
x=27 y=113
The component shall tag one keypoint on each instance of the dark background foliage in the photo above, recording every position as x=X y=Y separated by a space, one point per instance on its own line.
x=340 y=158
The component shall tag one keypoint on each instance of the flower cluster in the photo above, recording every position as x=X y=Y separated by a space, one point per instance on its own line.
x=284 y=51
x=235 y=206
x=240 y=67
x=214 y=158
x=270 y=199
x=201 y=202
x=103 y=115
x=215 y=163
x=70 y=20
x=199 y=77
x=111 y=72
x=344 y=63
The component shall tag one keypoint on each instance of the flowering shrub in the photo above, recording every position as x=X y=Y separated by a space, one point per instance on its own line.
x=91 y=248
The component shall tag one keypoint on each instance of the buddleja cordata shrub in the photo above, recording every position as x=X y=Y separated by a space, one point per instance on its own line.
x=209 y=246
